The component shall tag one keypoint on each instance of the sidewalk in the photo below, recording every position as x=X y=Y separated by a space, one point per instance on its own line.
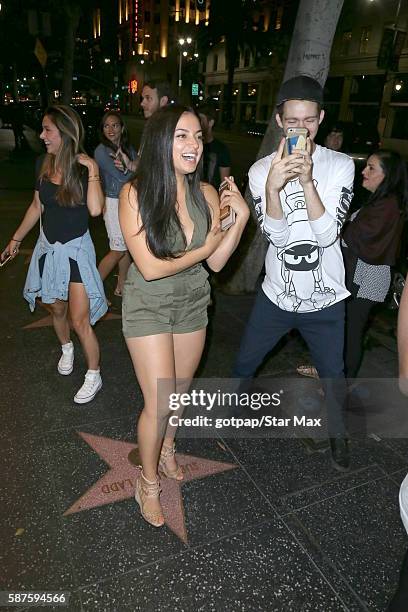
x=258 y=525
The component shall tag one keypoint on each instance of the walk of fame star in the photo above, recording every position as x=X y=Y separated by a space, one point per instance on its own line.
x=47 y=321
x=119 y=482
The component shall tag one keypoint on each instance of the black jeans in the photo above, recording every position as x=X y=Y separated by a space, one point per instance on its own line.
x=323 y=330
x=357 y=313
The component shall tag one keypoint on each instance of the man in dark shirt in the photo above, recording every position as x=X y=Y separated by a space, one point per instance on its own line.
x=216 y=157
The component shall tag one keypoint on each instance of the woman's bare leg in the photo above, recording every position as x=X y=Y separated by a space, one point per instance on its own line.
x=111 y=259
x=153 y=361
x=59 y=313
x=79 y=312
x=188 y=349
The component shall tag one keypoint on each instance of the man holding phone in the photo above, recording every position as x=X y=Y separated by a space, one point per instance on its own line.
x=301 y=200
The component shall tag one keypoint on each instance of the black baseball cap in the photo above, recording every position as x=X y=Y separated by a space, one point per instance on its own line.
x=300 y=88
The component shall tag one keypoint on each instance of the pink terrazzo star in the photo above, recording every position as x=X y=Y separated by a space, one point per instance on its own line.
x=119 y=482
x=47 y=321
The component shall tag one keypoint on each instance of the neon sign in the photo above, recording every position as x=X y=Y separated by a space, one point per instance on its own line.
x=135 y=20
x=132 y=87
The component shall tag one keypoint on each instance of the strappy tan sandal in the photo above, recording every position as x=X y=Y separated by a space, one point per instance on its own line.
x=145 y=489
x=165 y=453
x=307 y=370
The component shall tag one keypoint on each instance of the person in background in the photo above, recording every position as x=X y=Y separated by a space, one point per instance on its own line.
x=216 y=157
x=62 y=270
x=155 y=95
x=336 y=137
x=170 y=221
x=371 y=242
x=116 y=159
x=16 y=118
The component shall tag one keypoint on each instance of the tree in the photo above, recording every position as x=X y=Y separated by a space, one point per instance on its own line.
x=309 y=54
x=72 y=13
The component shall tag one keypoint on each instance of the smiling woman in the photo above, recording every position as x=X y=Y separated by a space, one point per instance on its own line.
x=170 y=222
x=116 y=158
x=62 y=270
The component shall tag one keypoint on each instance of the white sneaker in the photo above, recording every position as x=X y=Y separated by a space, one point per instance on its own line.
x=66 y=362
x=92 y=384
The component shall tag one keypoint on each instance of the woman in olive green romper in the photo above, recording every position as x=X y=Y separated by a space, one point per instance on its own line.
x=170 y=222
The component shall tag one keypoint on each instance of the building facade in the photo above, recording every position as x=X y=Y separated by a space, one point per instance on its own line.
x=367 y=85
x=368 y=80
x=259 y=68
x=147 y=43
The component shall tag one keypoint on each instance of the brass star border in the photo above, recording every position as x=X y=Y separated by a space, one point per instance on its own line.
x=119 y=481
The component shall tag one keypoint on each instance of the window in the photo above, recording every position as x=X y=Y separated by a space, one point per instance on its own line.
x=345 y=43
x=365 y=39
x=278 y=20
x=215 y=62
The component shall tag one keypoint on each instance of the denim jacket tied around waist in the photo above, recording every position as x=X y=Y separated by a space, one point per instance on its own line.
x=54 y=283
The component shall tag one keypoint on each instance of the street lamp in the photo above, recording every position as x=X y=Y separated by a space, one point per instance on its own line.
x=182 y=42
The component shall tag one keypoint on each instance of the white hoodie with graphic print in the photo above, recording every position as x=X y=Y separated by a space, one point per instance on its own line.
x=304 y=264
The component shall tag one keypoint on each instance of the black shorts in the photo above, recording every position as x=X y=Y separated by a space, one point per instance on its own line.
x=75 y=276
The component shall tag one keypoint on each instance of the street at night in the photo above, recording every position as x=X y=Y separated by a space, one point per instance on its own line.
x=286 y=486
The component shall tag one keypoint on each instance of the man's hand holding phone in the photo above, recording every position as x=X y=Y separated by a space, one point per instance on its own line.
x=292 y=160
x=298 y=141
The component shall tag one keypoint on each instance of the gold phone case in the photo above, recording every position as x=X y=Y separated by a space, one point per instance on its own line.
x=227 y=214
x=295 y=139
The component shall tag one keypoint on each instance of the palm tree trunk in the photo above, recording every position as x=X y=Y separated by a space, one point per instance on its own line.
x=309 y=54
x=72 y=13
x=231 y=54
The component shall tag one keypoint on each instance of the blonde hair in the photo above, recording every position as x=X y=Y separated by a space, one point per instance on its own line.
x=68 y=123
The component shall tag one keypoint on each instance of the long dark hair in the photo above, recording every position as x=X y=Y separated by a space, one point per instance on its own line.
x=124 y=137
x=67 y=121
x=395 y=179
x=156 y=185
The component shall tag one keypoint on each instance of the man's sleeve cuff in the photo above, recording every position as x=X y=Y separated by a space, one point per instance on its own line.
x=275 y=225
x=322 y=224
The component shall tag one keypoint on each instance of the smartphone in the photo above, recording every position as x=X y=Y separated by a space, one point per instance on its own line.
x=227 y=214
x=227 y=217
x=119 y=157
x=295 y=139
x=3 y=263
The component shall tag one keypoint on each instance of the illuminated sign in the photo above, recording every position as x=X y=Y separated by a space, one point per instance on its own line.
x=135 y=20
x=132 y=87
